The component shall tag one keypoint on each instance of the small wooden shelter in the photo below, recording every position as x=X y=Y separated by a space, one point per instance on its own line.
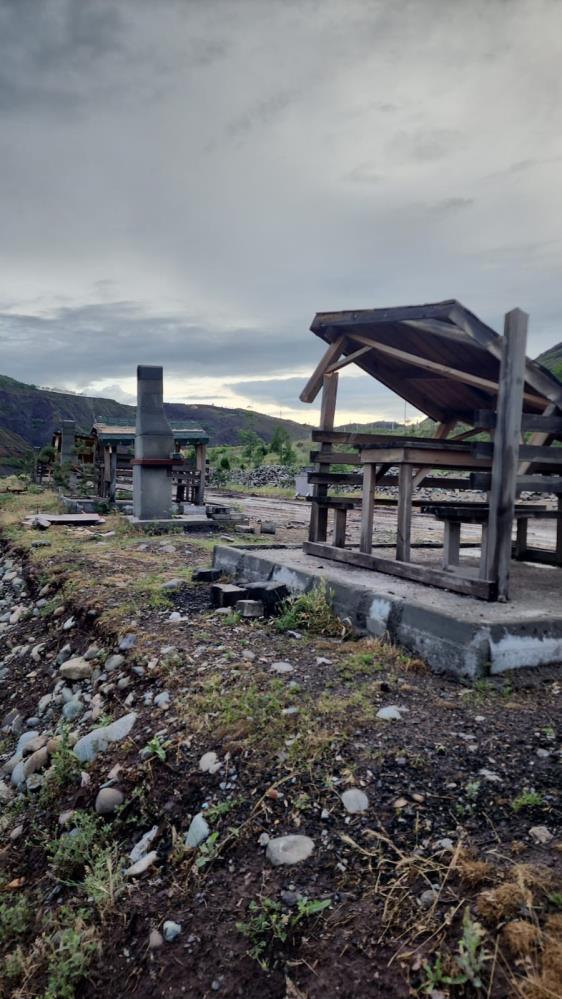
x=114 y=451
x=451 y=366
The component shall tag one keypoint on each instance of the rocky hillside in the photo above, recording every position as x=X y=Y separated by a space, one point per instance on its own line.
x=35 y=413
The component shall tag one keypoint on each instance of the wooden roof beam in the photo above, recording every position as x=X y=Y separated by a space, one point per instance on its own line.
x=348 y=360
x=314 y=383
x=442 y=369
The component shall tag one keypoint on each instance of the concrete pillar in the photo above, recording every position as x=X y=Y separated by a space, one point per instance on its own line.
x=68 y=435
x=154 y=444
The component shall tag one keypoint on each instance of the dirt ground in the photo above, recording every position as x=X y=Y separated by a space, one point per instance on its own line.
x=448 y=884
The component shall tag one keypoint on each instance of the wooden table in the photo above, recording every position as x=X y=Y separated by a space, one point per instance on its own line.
x=426 y=454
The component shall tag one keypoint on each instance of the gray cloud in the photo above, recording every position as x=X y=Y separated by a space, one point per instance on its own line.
x=187 y=182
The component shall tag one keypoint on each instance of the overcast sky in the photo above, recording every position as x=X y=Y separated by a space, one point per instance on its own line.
x=186 y=182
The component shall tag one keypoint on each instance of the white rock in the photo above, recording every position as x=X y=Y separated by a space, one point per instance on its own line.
x=97 y=741
x=198 y=831
x=75 y=669
x=141 y=865
x=171 y=930
x=540 y=835
x=281 y=667
x=354 y=801
x=390 y=713
x=289 y=849
x=210 y=763
x=140 y=849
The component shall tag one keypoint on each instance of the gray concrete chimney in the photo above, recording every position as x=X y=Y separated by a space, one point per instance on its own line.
x=154 y=444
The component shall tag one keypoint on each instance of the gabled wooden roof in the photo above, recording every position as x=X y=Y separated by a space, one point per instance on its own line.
x=439 y=357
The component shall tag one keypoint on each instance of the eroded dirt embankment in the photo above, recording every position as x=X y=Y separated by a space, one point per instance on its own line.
x=144 y=712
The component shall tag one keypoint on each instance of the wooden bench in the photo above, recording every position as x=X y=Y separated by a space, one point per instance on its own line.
x=455 y=514
x=340 y=508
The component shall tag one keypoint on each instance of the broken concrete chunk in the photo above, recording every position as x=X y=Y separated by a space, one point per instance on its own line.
x=226 y=594
x=249 y=608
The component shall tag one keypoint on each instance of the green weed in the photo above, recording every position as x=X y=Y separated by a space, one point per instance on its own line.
x=527 y=799
x=311 y=612
x=269 y=926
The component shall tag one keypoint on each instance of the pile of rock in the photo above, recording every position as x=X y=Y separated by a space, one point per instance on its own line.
x=265 y=475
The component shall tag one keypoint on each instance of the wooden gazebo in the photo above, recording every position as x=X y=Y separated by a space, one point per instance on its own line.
x=454 y=368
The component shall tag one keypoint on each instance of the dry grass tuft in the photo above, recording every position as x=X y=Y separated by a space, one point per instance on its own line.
x=472 y=871
x=548 y=984
x=502 y=902
x=520 y=937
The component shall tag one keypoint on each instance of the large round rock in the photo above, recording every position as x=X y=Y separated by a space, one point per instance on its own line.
x=289 y=850
x=108 y=799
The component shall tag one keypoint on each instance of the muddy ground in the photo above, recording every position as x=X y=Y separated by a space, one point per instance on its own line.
x=448 y=884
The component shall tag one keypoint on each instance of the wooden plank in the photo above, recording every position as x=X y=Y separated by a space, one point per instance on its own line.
x=336 y=478
x=419 y=456
x=525 y=483
x=540 y=555
x=443 y=369
x=340 y=519
x=558 y=546
x=451 y=544
x=347 y=360
x=361 y=440
x=531 y=454
x=318 y=528
x=404 y=528
x=470 y=586
x=337 y=457
x=486 y=418
x=367 y=508
x=506 y=451
x=539 y=438
x=314 y=383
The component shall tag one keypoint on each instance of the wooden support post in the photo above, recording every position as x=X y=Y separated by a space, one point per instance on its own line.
x=106 y=471
x=367 y=508
x=318 y=530
x=200 y=467
x=451 y=544
x=405 y=483
x=558 y=548
x=340 y=519
x=506 y=451
x=112 y=473
x=522 y=525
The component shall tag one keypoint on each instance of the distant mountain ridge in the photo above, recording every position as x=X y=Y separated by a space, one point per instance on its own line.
x=33 y=414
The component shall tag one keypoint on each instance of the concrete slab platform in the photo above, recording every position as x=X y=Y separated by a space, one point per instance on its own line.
x=453 y=633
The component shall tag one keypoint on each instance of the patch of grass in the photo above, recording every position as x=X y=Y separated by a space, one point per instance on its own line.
x=357 y=665
x=63 y=772
x=73 y=852
x=16 y=918
x=269 y=927
x=311 y=612
x=103 y=880
x=527 y=799
x=70 y=951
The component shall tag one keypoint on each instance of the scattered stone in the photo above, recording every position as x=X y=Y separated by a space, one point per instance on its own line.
x=127 y=642
x=114 y=662
x=76 y=669
x=73 y=708
x=354 y=801
x=541 y=835
x=69 y=623
x=281 y=667
x=390 y=713
x=171 y=930
x=97 y=741
x=210 y=763
x=108 y=799
x=162 y=700
x=175 y=617
x=428 y=897
x=198 y=831
x=140 y=848
x=155 y=940
x=173 y=584
x=289 y=850
x=141 y=865
x=91 y=653
x=248 y=655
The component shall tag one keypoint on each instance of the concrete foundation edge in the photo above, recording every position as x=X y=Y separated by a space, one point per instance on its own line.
x=449 y=645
